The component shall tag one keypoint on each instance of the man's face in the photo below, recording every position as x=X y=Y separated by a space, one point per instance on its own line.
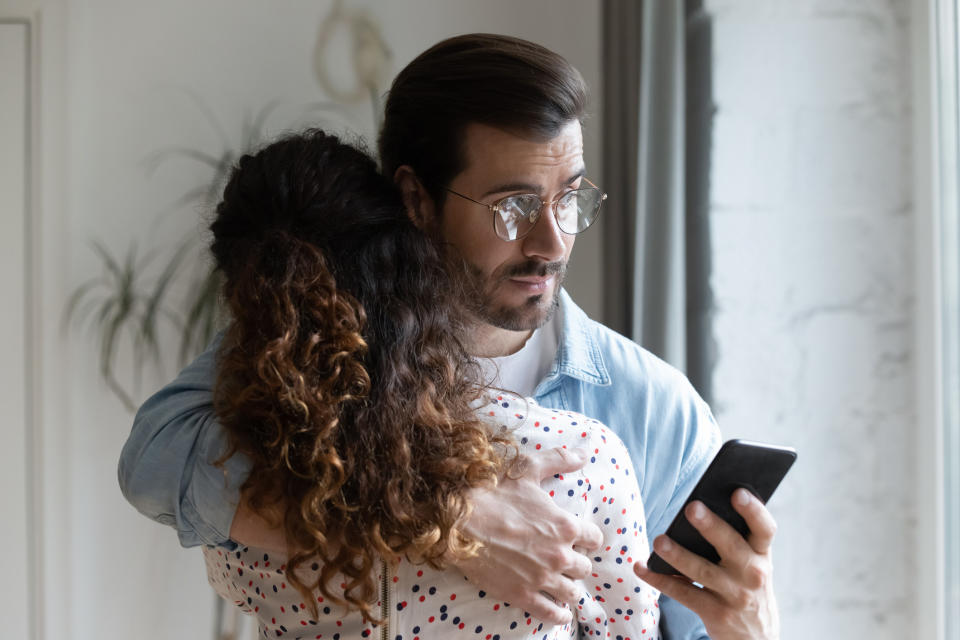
x=513 y=285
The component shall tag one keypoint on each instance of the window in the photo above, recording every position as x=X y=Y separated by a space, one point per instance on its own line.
x=946 y=220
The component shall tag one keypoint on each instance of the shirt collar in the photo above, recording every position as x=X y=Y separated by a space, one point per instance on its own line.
x=579 y=355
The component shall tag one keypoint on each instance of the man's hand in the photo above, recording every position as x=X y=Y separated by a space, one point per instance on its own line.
x=528 y=557
x=737 y=600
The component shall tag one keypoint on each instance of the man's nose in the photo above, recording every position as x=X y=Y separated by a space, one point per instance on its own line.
x=545 y=240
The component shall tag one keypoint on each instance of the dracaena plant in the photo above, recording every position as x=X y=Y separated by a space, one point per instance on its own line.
x=137 y=299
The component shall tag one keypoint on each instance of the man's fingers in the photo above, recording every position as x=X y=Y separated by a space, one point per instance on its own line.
x=733 y=548
x=550 y=462
x=578 y=566
x=762 y=525
x=588 y=536
x=563 y=591
x=678 y=588
x=696 y=568
x=545 y=608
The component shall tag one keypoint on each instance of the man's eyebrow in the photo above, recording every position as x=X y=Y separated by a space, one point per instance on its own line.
x=580 y=173
x=526 y=186
x=511 y=186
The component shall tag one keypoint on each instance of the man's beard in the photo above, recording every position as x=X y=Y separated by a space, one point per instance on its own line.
x=477 y=293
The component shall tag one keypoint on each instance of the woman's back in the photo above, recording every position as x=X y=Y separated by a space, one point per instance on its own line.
x=417 y=601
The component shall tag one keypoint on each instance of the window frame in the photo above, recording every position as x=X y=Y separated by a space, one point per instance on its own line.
x=936 y=107
x=948 y=94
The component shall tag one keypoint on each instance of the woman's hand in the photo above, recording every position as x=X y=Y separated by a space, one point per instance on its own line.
x=528 y=557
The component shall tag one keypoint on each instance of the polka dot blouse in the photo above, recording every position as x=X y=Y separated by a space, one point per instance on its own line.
x=424 y=603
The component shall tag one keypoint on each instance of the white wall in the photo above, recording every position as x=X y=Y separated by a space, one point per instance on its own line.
x=128 y=69
x=812 y=222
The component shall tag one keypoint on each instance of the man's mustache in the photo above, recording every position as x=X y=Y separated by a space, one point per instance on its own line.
x=535 y=269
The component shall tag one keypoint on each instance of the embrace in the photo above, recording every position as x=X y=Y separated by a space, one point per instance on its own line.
x=408 y=428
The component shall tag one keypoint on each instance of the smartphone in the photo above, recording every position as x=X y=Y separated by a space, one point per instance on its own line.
x=755 y=466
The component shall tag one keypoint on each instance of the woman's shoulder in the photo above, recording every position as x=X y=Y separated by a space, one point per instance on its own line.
x=535 y=426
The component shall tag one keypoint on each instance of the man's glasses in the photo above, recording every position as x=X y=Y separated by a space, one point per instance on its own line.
x=515 y=216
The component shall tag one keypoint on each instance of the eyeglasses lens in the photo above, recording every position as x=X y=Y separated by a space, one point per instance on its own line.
x=516 y=215
x=513 y=216
x=587 y=207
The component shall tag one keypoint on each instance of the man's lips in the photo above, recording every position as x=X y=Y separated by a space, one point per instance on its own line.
x=532 y=283
x=532 y=279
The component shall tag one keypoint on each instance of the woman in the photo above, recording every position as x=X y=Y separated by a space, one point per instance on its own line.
x=343 y=378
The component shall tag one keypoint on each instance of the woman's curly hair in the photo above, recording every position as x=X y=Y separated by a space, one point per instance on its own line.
x=342 y=375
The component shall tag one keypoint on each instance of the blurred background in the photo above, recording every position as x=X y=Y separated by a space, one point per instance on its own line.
x=781 y=225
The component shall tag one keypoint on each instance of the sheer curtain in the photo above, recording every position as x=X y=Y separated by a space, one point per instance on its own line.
x=657 y=120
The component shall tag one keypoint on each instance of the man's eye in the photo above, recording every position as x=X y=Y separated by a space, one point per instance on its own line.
x=568 y=201
x=522 y=205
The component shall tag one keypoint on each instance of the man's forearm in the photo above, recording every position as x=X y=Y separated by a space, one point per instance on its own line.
x=166 y=468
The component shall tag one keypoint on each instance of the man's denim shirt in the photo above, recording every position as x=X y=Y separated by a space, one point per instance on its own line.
x=165 y=468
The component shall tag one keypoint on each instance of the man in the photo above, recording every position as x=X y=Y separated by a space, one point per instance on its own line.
x=482 y=134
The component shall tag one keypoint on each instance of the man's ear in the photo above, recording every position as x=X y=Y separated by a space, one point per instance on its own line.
x=416 y=200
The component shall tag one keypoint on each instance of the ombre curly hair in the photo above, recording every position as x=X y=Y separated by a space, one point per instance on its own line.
x=342 y=375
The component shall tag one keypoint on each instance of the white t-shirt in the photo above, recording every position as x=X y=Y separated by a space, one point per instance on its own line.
x=522 y=371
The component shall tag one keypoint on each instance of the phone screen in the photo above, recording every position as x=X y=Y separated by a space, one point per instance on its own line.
x=755 y=466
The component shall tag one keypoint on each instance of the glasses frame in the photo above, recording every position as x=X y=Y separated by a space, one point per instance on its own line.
x=534 y=217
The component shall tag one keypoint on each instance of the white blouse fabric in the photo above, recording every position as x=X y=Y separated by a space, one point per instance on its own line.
x=423 y=603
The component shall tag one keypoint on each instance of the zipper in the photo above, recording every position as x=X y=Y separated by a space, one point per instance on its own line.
x=384 y=601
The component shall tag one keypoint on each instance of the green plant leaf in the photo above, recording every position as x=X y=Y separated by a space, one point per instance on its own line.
x=254 y=136
x=71 y=313
x=327 y=106
x=108 y=260
x=220 y=173
x=122 y=305
x=148 y=335
x=196 y=195
x=209 y=116
x=200 y=321
x=157 y=158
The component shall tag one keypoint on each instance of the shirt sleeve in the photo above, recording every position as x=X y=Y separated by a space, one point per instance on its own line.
x=166 y=467
x=697 y=449
x=679 y=623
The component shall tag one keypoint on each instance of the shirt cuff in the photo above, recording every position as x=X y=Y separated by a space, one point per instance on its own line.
x=210 y=503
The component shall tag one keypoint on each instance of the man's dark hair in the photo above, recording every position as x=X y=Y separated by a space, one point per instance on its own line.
x=501 y=81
